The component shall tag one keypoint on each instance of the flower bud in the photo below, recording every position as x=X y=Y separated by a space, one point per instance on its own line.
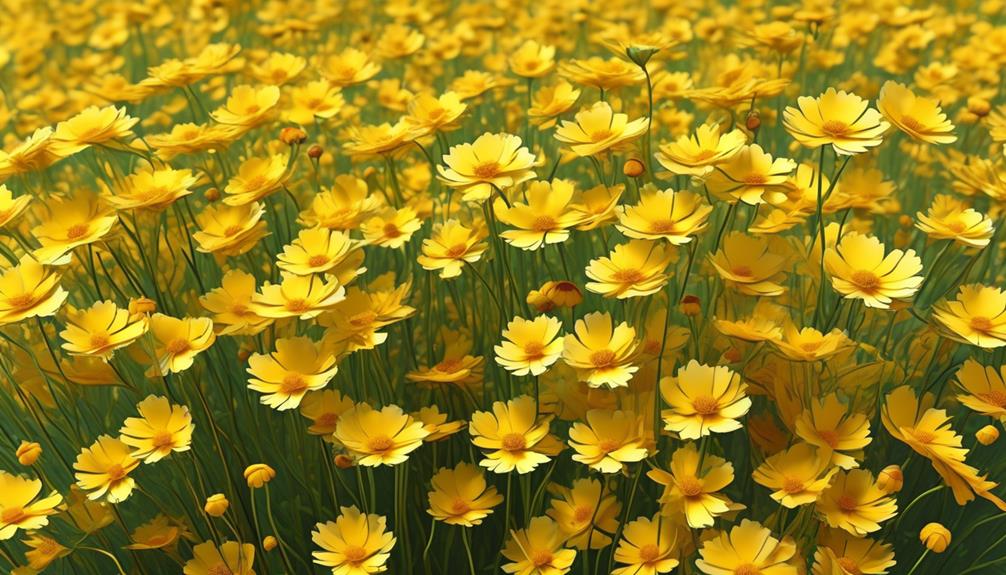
x=343 y=461
x=906 y=221
x=142 y=305
x=987 y=435
x=269 y=543
x=640 y=55
x=562 y=293
x=28 y=452
x=291 y=136
x=935 y=537
x=315 y=151
x=258 y=474
x=633 y=168
x=216 y=505
x=212 y=194
x=979 y=106
x=691 y=305
x=753 y=120
x=891 y=479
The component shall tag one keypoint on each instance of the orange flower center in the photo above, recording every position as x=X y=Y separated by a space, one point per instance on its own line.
x=534 y=350
x=296 y=305
x=255 y=182
x=178 y=346
x=865 y=280
x=293 y=383
x=157 y=540
x=957 y=226
x=747 y=569
x=923 y=435
x=690 y=486
x=486 y=171
x=98 y=340
x=456 y=251
x=995 y=397
x=835 y=128
x=602 y=358
x=705 y=405
x=629 y=276
x=326 y=419
x=543 y=224
x=792 y=486
x=12 y=515
x=354 y=554
x=219 y=569
x=115 y=472
x=380 y=443
x=76 y=231
x=460 y=507
x=850 y=566
x=391 y=230
x=662 y=226
x=233 y=230
x=755 y=179
x=811 y=345
x=743 y=271
x=601 y=135
x=912 y=124
x=363 y=319
x=583 y=514
x=649 y=552
x=830 y=437
x=847 y=504
x=449 y=364
x=705 y=155
x=21 y=301
x=608 y=445
x=514 y=442
x=981 y=323
x=317 y=261
x=162 y=439
x=541 y=558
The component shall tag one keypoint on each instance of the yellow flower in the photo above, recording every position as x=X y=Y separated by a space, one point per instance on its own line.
x=177 y=342
x=230 y=557
x=855 y=503
x=37 y=152
x=648 y=547
x=836 y=118
x=324 y=408
x=544 y=218
x=859 y=269
x=608 y=440
x=391 y=228
x=450 y=246
x=532 y=60
x=751 y=176
x=158 y=533
x=353 y=544
x=93 y=126
x=152 y=189
x=399 y=41
x=248 y=106
x=101 y=329
x=43 y=551
x=665 y=214
x=975 y=317
x=321 y=250
x=343 y=206
x=461 y=496
x=703 y=400
x=585 y=512
x=257 y=475
x=278 y=69
x=692 y=486
x=548 y=103
x=808 y=344
x=303 y=297
x=857 y=554
x=600 y=352
x=384 y=437
x=984 y=388
x=351 y=66
x=229 y=231
x=103 y=469
x=28 y=290
x=538 y=550
x=748 y=549
x=313 y=100
x=749 y=265
x=553 y=294
x=28 y=452
x=285 y=375
x=950 y=219
x=368 y=141
x=755 y=328
x=530 y=346
x=161 y=429
x=71 y=223
x=935 y=537
x=436 y=423
x=11 y=208
x=429 y=114
x=353 y=322
x=797 y=475
x=634 y=269
x=256 y=178
x=18 y=508
x=921 y=118
x=599 y=129
x=696 y=155
x=230 y=305
x=830 y=425
x=605 y=74
x=491 y=161
x=514 y=435
x=597 y=206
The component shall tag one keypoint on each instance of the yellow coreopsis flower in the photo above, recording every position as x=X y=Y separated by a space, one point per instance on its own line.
x=436 y=423
x=158 y=533
x=585 y=512
x=37 y=152
x=855 y=503
x=41 y=553
x=548 y=103
x=829 y=425
x=287 y=374
x=532 y=60
x=601 y=352
x=538 y=550
x=809 y=344
x=71 y=223
x=950 y=219
x=313 y=100
x=256 y=178
x=634 y=269
x=665 y=214
x=514 y=435
x=278 y=69
x=354 y=544
x=599 y=129
x=545 y=217
x=919 y=117
x=230 y=231
x=461 y=496
x=231 y=305
x=608 y=440
x=836 y=118
x=796 y=476
x=28 y=290
x=108 y=126
x=703 y=399
x=692 y=486
x=696 y=155
x=983 y=387
x=399 y=41
x=492 y=161
x=248 y=106
x=530 y=346
x=323 y=409
x=161 y=429
x=649 y=546
x=751 y=176
x=450 y=246
x=854 y=554
x=748 y=264
x=353 y=323
x=152 y=189
x=860 y=269
x=391 y=228
x=351 y=66
x=975 y=317
x=177 y=342
x=11 y=208
x=321 y=250
x=384 y=437
x=303 y=297
x=601 y=73
x=748 y=548
x=18 y=507
x=343 y=206
x=377 y=140
x=101 y=329
x=230 y=557
x=103 y=469
x=429 y=114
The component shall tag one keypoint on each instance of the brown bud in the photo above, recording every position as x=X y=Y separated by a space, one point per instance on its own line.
x=315 y=151
x=753 y=120
x=691 y=305
x=343 y=461
x=633 y=168
x=291 y=136
x=212 y=195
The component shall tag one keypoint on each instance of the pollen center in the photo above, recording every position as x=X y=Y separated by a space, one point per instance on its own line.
x=391 y=230
x=747 y=569
x=662 y=226
x=487 y=171
x=835 y=128
x=177 y=346
x=792 y=486
x=354 y=554
x=457 y=250
x=380 y=443
x=541 y=558
x=849 y=566
x=649 y=552
x=755 y=179
x=161 y=439
x=981 y=323
x=219 y=569
x=995 y=397
x=602 y=358
x=98 y=340
x=601 y=135
x=690 y=486
x=115 y=472
x=629 y=276
x=514 y=442
x=12 y=515
x=847 y=504
x=705 y=405
x=293 y=383
x=544 y=224
x=912 y=124
x=534 y=350
x=866 y=280
x=21 y=301
x=76 y=231
x=829 y=437
x=317 y=261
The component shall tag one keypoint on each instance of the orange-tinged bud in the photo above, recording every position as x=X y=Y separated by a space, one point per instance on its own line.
x=142 y=305
x=212 y=195
x=691 y=305
x=935 y=537
x=979 y=106
x=343 y=461
x=258 y=474
x=315 y=151
x=906 y=221
x=28 y=452
x=291 y=136
x=633 y=168
x=216 y=505
x=891 y=479
x=269 y=543
x=987 y=435
x=753 y=120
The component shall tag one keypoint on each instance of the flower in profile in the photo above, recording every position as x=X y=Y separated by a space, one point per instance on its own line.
x=696 y=155
x=634 y=269
x=230 y=231
x=349 y=67
x=703 y=400
x=545 y=217
x=751 y=265
x=257 y=475
x=436 y=423
x=11 y=208
x=42 y=552
x=101 y=329
x=983 y=387
x=355 y=543
x=919 y=117
x=532 y=60
x=538 y=549
x=323 y=408
x=692 y=486
x=287 y=374
x=248 y=106
x=514 y=436
x=597 y=206
x=230 y=305
x=28 y=290
x=587 y=511
x=950 y=219
x=93 y=126
x=836 y=118
x=855 y=503
x=161 y=532
x=605 y=74
x=751 y=176
x=161 y=429
x=177 y=342
x=391 y=228
x=450 y=246
x=399 y=41
x=550 y=102
x=796 y=476
x=37 y=152
x=384 y=437
x=665 y=214
x=748 y=549
x=429 y=114
x=649 y=546
x=255 y=179
x=314 y=100
x=18 y=507
x=601 y=352
x=303 y=297
x=230 y=557
x=71 y=223
x=461 y=496
x=809 y=344
x=599 y=129
x=353 y=322
x=755 y=328
x=188 y=138
x=608 y=440
x=375 y=140
x=497 y=161
x=860 y=269
x=343 y=206
x=321 y=250
x=103 y=469
x=530 y=346
x=555 y=294
x=833 y=427
x=152 y=189
x=457 y=365
x=857 y=554
x=977 y=316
